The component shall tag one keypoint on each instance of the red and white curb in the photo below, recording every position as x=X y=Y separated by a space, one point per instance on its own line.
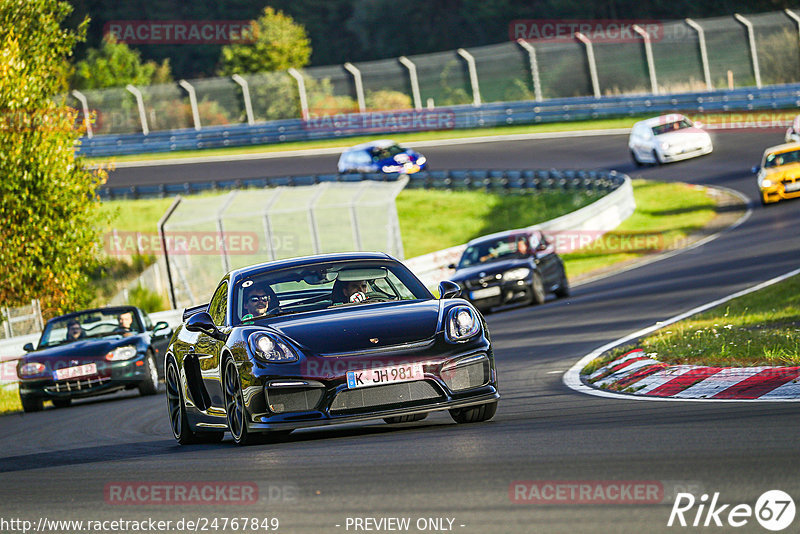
x=635 y=372
x=651 y=380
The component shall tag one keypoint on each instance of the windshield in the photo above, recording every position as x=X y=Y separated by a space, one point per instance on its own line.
x=671 y=127
x=381 y=153
x=782 y=158
x=111 y=322
x=494 y=250
x=323 y=285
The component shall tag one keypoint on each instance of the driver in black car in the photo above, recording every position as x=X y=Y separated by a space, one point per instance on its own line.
x=259 y=300
x=75 y=331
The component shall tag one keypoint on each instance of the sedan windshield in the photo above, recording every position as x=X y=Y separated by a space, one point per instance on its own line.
x=381 y=153
x=782 y=158
x=318 y=286
x=495 y=250
x=671 y=127
x=111 y=322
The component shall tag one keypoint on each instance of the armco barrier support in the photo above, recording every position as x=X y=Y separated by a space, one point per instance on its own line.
x=456 y=117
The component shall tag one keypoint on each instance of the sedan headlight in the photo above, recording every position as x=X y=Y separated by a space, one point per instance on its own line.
x=392 y=168
x=516 y=274
x=31 y=369
x=421 y=160
x=766 y=183
x=122 y=353
x=665 y=146
x=271 y=348
x=462 y=324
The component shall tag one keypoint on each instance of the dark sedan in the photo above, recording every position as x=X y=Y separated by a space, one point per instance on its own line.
x=92 y=352
x=322 y=340
x=518 y=266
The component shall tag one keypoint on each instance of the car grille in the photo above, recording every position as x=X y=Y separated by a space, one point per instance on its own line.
x=467 y=376
x=282 y=400
x=380 y=396
x=69 y=386
x=481 y=282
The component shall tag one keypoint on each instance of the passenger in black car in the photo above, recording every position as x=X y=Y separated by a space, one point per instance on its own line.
x=352 y=291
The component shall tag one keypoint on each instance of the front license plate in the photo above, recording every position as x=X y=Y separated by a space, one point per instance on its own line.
x=794 y=186
x=384 y=375
x=75 y=372
x=485 y=293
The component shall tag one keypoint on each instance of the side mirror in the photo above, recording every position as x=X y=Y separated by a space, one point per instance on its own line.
x=28 y=347
x=452 y=266
x=755 y=169
x=161 y=325
x=449 y=290
x=202 y=322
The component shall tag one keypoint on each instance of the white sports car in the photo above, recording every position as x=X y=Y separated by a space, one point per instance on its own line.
x=793 y=132
x=667 y=138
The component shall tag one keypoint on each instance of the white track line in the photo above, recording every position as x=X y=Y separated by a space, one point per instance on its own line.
x=337 y=150
x=572 y=377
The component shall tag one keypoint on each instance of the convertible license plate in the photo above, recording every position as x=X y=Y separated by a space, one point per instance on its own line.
x=75 y=372
x=485 y=293
x=794 y=186
x=384 y=375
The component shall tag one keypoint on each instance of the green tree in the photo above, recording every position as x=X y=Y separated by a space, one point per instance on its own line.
x=47 y=197
x=277 y=43
x=114 y=64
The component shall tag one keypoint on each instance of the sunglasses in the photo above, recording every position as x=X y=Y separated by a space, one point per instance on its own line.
x=262 y=298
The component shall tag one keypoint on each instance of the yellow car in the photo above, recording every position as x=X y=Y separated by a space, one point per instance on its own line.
x=779 y=173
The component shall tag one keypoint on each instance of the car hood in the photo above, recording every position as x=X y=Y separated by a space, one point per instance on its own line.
x=685 y=136
x=356 y=327
x=83 y=351
x=489 y=269
x=789 y=169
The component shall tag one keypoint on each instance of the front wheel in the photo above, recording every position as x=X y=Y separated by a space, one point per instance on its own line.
x=31 y=404
x=656 y=158
x=234 y=406
x=62 y=403
x=563 y=285
x=635 y=159
x=474 y=414
x=538 y=293
x=149 y=386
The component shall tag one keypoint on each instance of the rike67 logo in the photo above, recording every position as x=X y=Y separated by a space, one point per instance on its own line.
x=774 y=510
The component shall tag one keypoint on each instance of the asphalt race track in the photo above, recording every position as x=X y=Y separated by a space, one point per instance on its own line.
x=57 y=463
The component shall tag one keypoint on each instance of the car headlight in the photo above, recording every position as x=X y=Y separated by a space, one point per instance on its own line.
x=462 y=324
x=31 y=369
x=392 y=168
x=516 y=274
x=421 y=160
x=122 y=353
x=766 y=183
x=665 y=146
x=270 y=348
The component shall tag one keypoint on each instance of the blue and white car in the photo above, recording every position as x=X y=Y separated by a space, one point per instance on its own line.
x=381 y=156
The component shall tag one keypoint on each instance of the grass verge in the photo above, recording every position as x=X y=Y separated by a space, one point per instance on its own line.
x=9 y=399
x=404 y=138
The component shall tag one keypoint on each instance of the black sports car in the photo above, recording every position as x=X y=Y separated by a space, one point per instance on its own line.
x=321 y=340
x=518 y=266
x=92 y=352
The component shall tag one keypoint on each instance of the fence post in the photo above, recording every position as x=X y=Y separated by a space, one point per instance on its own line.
x=312 y=218
x=226 y=261
x=354 y=214
x=6 y=321
x=301 y=88
x=592 y=65
x=248 y=105
x=85 y=105
x=701 y=40
x=268 y=224
x=140 y=104
x=38 y=312
x=751 y=37
x=473 y=76
x=648 y=52
x=795 y=17
x=193 y=102
x=352 y=69
x=534 y=64
x=412 y=76
x=161 y=222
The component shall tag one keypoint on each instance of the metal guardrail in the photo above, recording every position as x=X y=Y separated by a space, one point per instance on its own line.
x=509 y=181
x=458 y=117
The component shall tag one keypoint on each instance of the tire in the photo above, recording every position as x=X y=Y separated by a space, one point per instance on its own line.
x=474 y=414
x=234 y=406
x=635 y=159
x=538 y=293
x=62 y=403
x=405 y=418
x=656 y=158
x=149 y=386
x=176 y=408
x=31 y=404
x=563 y=285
